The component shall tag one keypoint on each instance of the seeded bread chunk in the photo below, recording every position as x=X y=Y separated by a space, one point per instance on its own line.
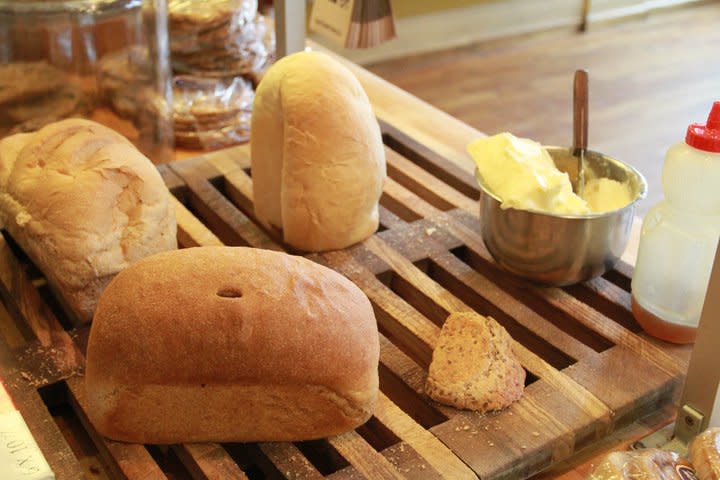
x=473 y=366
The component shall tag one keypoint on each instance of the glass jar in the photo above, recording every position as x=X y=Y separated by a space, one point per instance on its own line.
x=105 y=60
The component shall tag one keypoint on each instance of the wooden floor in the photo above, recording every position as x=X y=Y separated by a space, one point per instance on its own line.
x=650 y=77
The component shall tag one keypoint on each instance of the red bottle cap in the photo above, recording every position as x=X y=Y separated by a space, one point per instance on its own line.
x=706 y=137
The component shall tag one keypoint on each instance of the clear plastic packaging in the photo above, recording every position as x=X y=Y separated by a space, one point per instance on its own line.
x=218 y=38
x=704 y=454
x=679 y=237
x=645 y=464
x=219 y=50
x=211 y=113
x=56 y=61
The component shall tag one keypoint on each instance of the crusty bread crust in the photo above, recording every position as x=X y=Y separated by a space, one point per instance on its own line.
x=318 y=161
x=230 y=344
x=83 y=203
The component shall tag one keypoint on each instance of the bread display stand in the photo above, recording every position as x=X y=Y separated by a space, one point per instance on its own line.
x=590 y=370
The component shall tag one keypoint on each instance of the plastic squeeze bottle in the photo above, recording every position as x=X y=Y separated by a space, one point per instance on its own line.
x=679 y=237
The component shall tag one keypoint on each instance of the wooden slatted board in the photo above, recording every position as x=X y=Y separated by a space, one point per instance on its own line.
x=590 y=368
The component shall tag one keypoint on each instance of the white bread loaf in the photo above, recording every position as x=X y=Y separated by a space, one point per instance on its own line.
x=230 y=344
x=83 y=203
x=318 y=162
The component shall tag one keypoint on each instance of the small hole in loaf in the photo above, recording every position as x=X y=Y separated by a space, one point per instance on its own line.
x=229 y=293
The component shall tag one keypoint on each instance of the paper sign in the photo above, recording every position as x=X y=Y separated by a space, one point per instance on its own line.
x=20 y=456
x=331 y=19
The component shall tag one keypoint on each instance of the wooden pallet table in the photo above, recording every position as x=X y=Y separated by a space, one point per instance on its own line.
x=590 y=369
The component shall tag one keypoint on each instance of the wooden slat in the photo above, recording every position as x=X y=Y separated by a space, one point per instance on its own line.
x=426 y=186
x=629 y=392
x=290 y=461
x=389 y=220
x=427 y=240
x=394 y=315
x=230 y=225
x=54 y=349
x=239 y=189
x=172 y=181
x=528 y=436
x=22 y=294
x=191 y=231
x=208 y=461
x=436 y=453
x=405 y=197
x=231 y=164
x=458 y=175
x=230 y=159
x=363 y=457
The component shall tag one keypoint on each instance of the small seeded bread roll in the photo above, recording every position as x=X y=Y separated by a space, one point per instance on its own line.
x=230 y=344
x=473 y=366
x=318 y=161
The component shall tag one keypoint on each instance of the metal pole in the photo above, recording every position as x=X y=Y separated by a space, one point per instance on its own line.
x=289 y=26
x=700 y=402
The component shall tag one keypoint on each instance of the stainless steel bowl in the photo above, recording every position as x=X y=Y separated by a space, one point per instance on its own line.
x=562 y=249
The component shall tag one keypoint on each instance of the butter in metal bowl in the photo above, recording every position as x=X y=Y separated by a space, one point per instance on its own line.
x=523 y=175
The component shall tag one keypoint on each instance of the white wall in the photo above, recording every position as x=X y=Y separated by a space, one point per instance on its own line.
x=487 y=20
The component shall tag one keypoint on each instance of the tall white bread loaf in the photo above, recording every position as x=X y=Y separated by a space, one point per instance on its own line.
x=83 y=203
x=230 y=344
x=318 y=162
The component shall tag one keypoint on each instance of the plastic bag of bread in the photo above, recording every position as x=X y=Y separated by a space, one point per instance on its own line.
x=705 y=454
x=318 y=161
x=645 y=464
x=83 y=203
x=230 y=344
